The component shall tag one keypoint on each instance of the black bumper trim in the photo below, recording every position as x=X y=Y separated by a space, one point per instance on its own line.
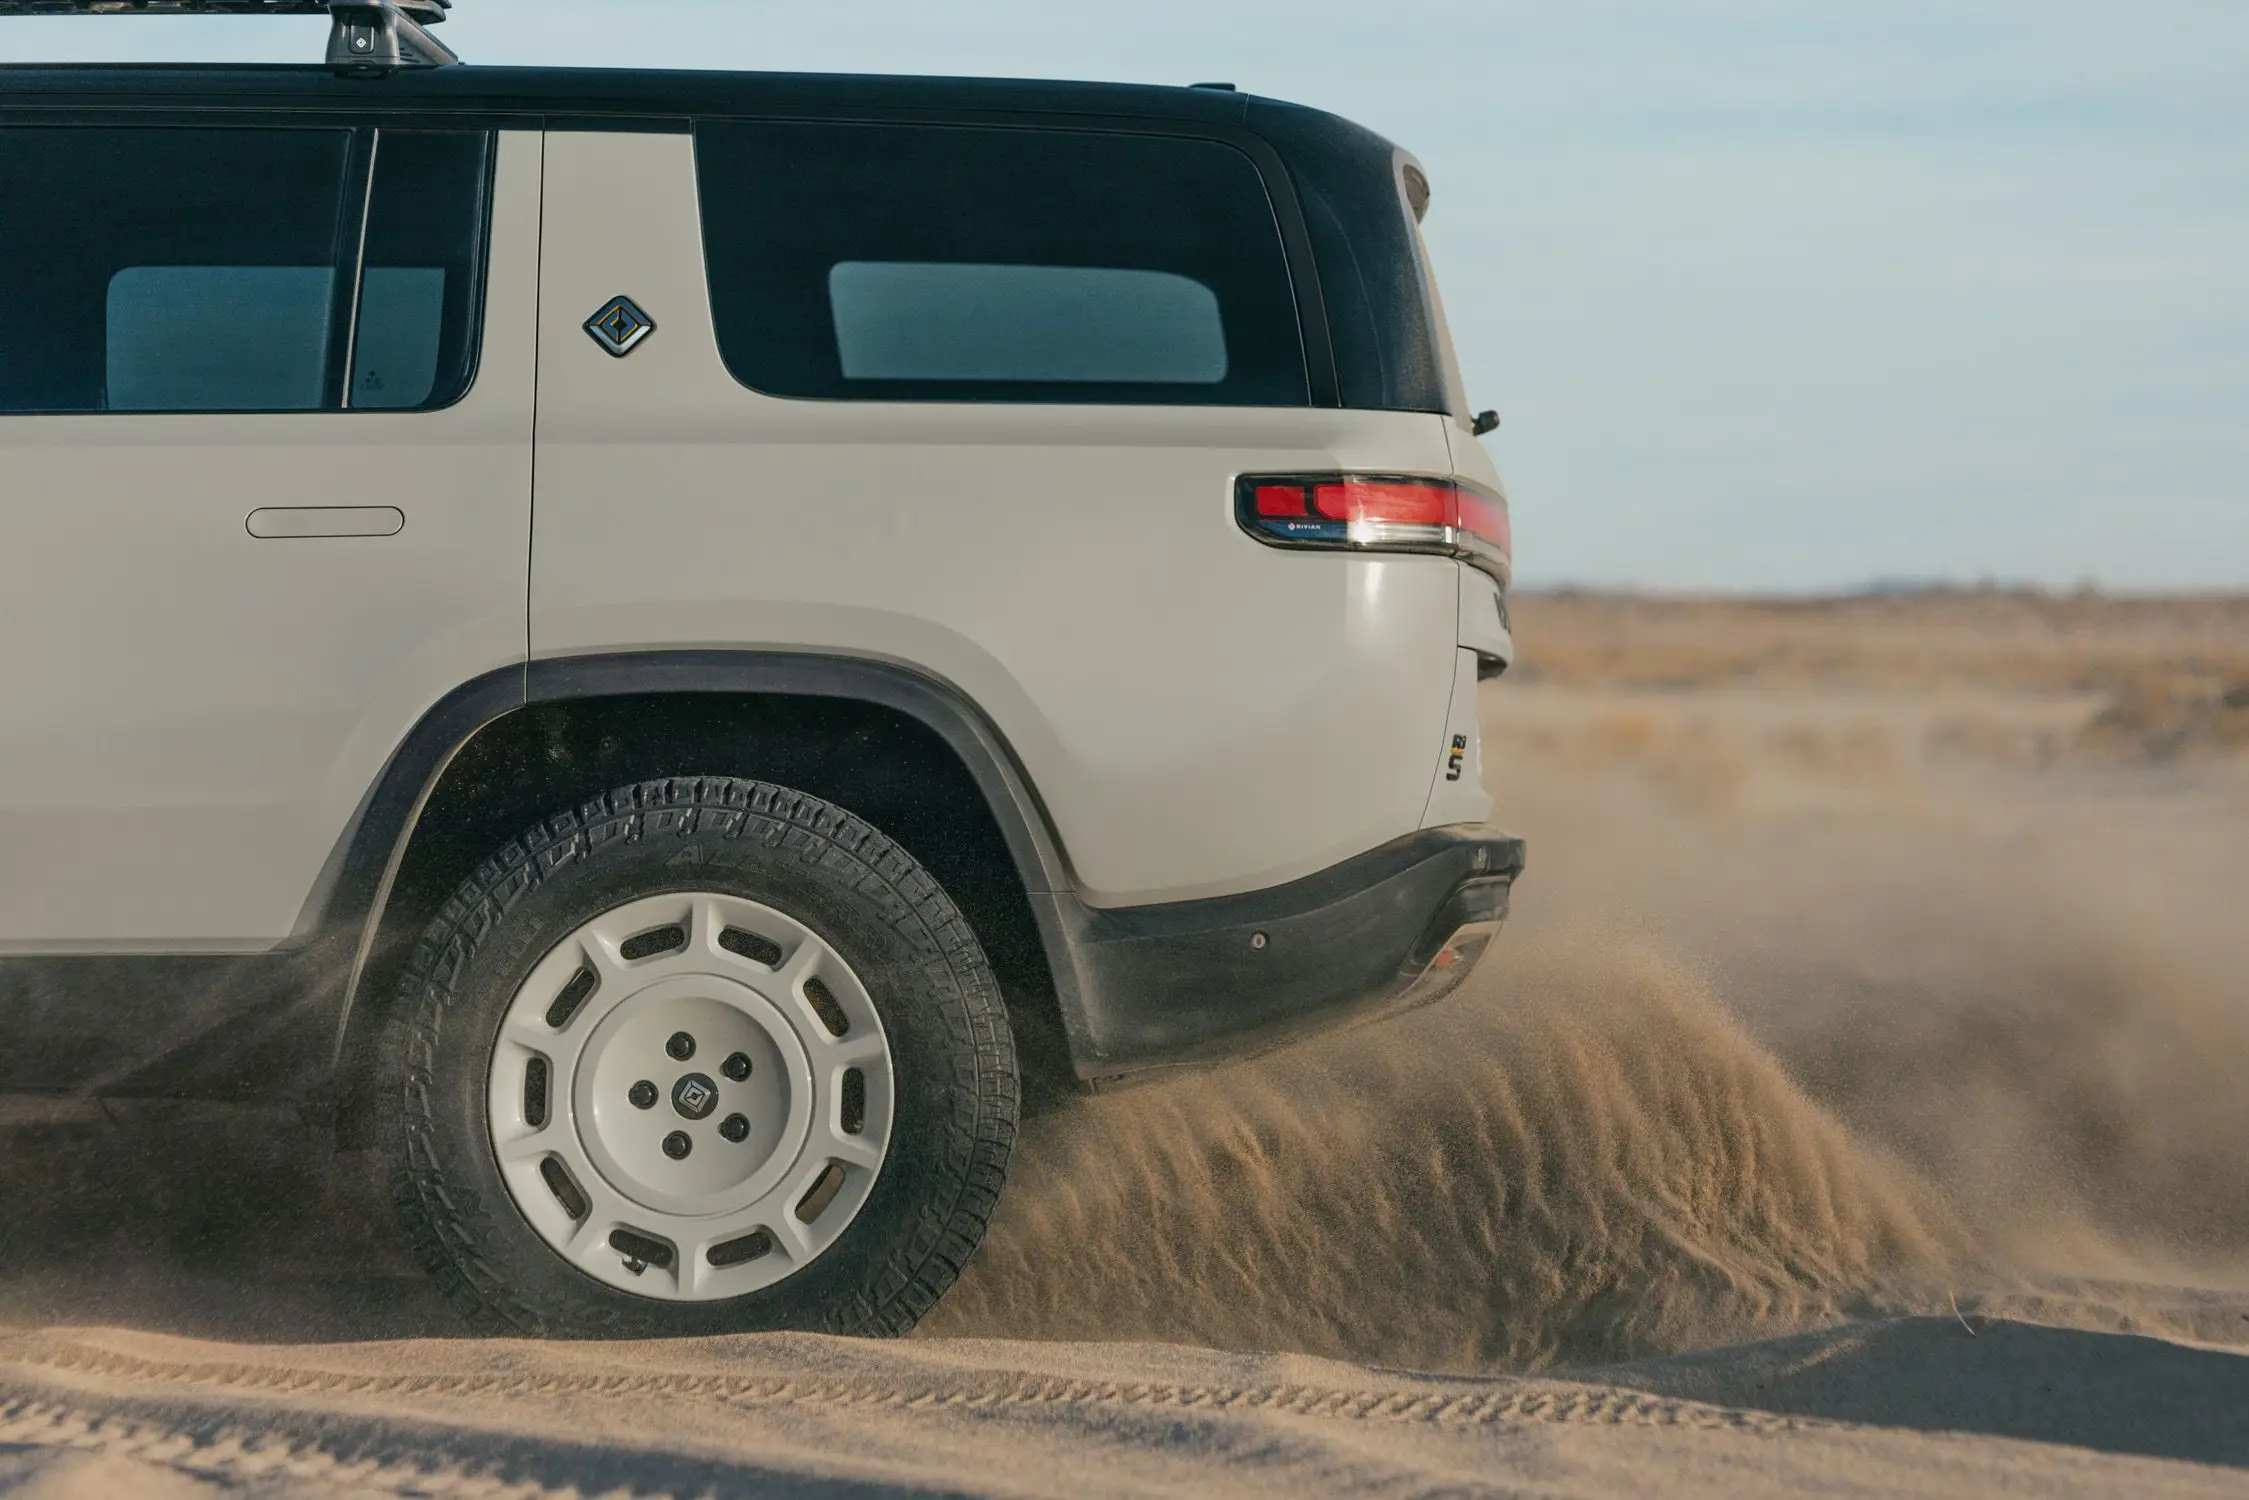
x=1193 y=982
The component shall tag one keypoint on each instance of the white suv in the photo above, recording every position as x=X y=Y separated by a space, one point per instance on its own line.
x=663 y=646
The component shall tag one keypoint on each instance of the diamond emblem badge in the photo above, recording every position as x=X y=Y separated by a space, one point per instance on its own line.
x=620 y=326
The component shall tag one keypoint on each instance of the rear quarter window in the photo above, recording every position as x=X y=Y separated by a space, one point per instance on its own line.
x=1387 y=347
x=966 y=263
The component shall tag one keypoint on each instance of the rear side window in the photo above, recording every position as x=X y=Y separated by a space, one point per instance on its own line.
x=160 y=269
x=960 y=263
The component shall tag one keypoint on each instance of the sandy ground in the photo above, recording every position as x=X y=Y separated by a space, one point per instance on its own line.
x=1854 y=1105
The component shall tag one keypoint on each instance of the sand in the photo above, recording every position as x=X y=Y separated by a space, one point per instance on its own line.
x=1855 y=1104
x=1902 y=1408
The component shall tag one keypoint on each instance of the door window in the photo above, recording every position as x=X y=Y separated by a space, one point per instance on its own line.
x=959 y=263
x=162 y=269
x=190 y=338
x=155 y=269
x=421 y=293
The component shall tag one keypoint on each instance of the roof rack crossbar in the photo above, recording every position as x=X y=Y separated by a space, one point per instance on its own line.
x=367 y=38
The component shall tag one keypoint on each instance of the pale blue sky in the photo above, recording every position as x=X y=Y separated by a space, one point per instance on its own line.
x=1771 y=295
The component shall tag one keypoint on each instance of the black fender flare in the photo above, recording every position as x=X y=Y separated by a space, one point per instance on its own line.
x=357 y=884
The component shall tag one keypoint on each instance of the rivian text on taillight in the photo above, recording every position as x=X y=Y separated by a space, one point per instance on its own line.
x=1377 y=513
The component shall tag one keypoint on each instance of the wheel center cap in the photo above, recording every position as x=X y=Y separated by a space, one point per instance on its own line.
x=695 y=1096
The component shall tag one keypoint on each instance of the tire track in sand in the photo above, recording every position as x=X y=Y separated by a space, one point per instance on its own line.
x=1438 y=1400
x=240 y=1423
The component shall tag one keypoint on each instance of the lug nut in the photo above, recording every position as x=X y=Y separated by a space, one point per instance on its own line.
x=736 y=1067
x=677 y=1145
x=643 y=1095
x=681 y=1046
x=735 y=1127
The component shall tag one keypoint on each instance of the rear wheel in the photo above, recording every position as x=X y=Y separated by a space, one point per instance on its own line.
x=707 y=1055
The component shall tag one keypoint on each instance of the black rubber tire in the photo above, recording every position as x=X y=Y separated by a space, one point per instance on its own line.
x=953 y=1057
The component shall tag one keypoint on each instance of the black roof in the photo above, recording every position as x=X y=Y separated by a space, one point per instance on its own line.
x=602 y=91
x=1346 y=178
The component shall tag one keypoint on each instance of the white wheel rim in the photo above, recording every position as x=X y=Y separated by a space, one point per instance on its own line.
x=777 y=1163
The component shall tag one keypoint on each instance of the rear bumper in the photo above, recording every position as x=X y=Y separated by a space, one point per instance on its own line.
x=1195 y=982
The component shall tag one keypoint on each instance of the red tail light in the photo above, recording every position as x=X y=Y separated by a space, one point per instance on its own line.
x=1376 y=513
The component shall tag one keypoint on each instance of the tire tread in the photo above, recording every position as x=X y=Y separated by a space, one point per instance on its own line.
x=449 y=1224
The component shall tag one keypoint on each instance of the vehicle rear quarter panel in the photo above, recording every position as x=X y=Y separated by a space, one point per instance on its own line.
x=1200 y=714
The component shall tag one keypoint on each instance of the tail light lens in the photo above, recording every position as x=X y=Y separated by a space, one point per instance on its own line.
x=1376 y=513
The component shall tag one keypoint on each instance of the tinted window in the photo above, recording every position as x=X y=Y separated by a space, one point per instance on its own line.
x=954 y=263
x=194 y=269
x=421 y=295
x=190 y=338
x=937 y=320
x=167 y=269
x=1379 y=315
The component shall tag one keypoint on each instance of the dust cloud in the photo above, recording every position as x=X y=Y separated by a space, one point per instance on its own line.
x=1579 y=1157
x=1816 y=1006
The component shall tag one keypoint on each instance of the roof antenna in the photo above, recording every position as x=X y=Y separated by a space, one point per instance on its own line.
x=379 y=37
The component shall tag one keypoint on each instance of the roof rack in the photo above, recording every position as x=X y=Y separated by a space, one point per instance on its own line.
x=368 y=38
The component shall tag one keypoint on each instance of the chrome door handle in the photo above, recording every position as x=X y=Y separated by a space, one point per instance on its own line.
x=327 y=520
